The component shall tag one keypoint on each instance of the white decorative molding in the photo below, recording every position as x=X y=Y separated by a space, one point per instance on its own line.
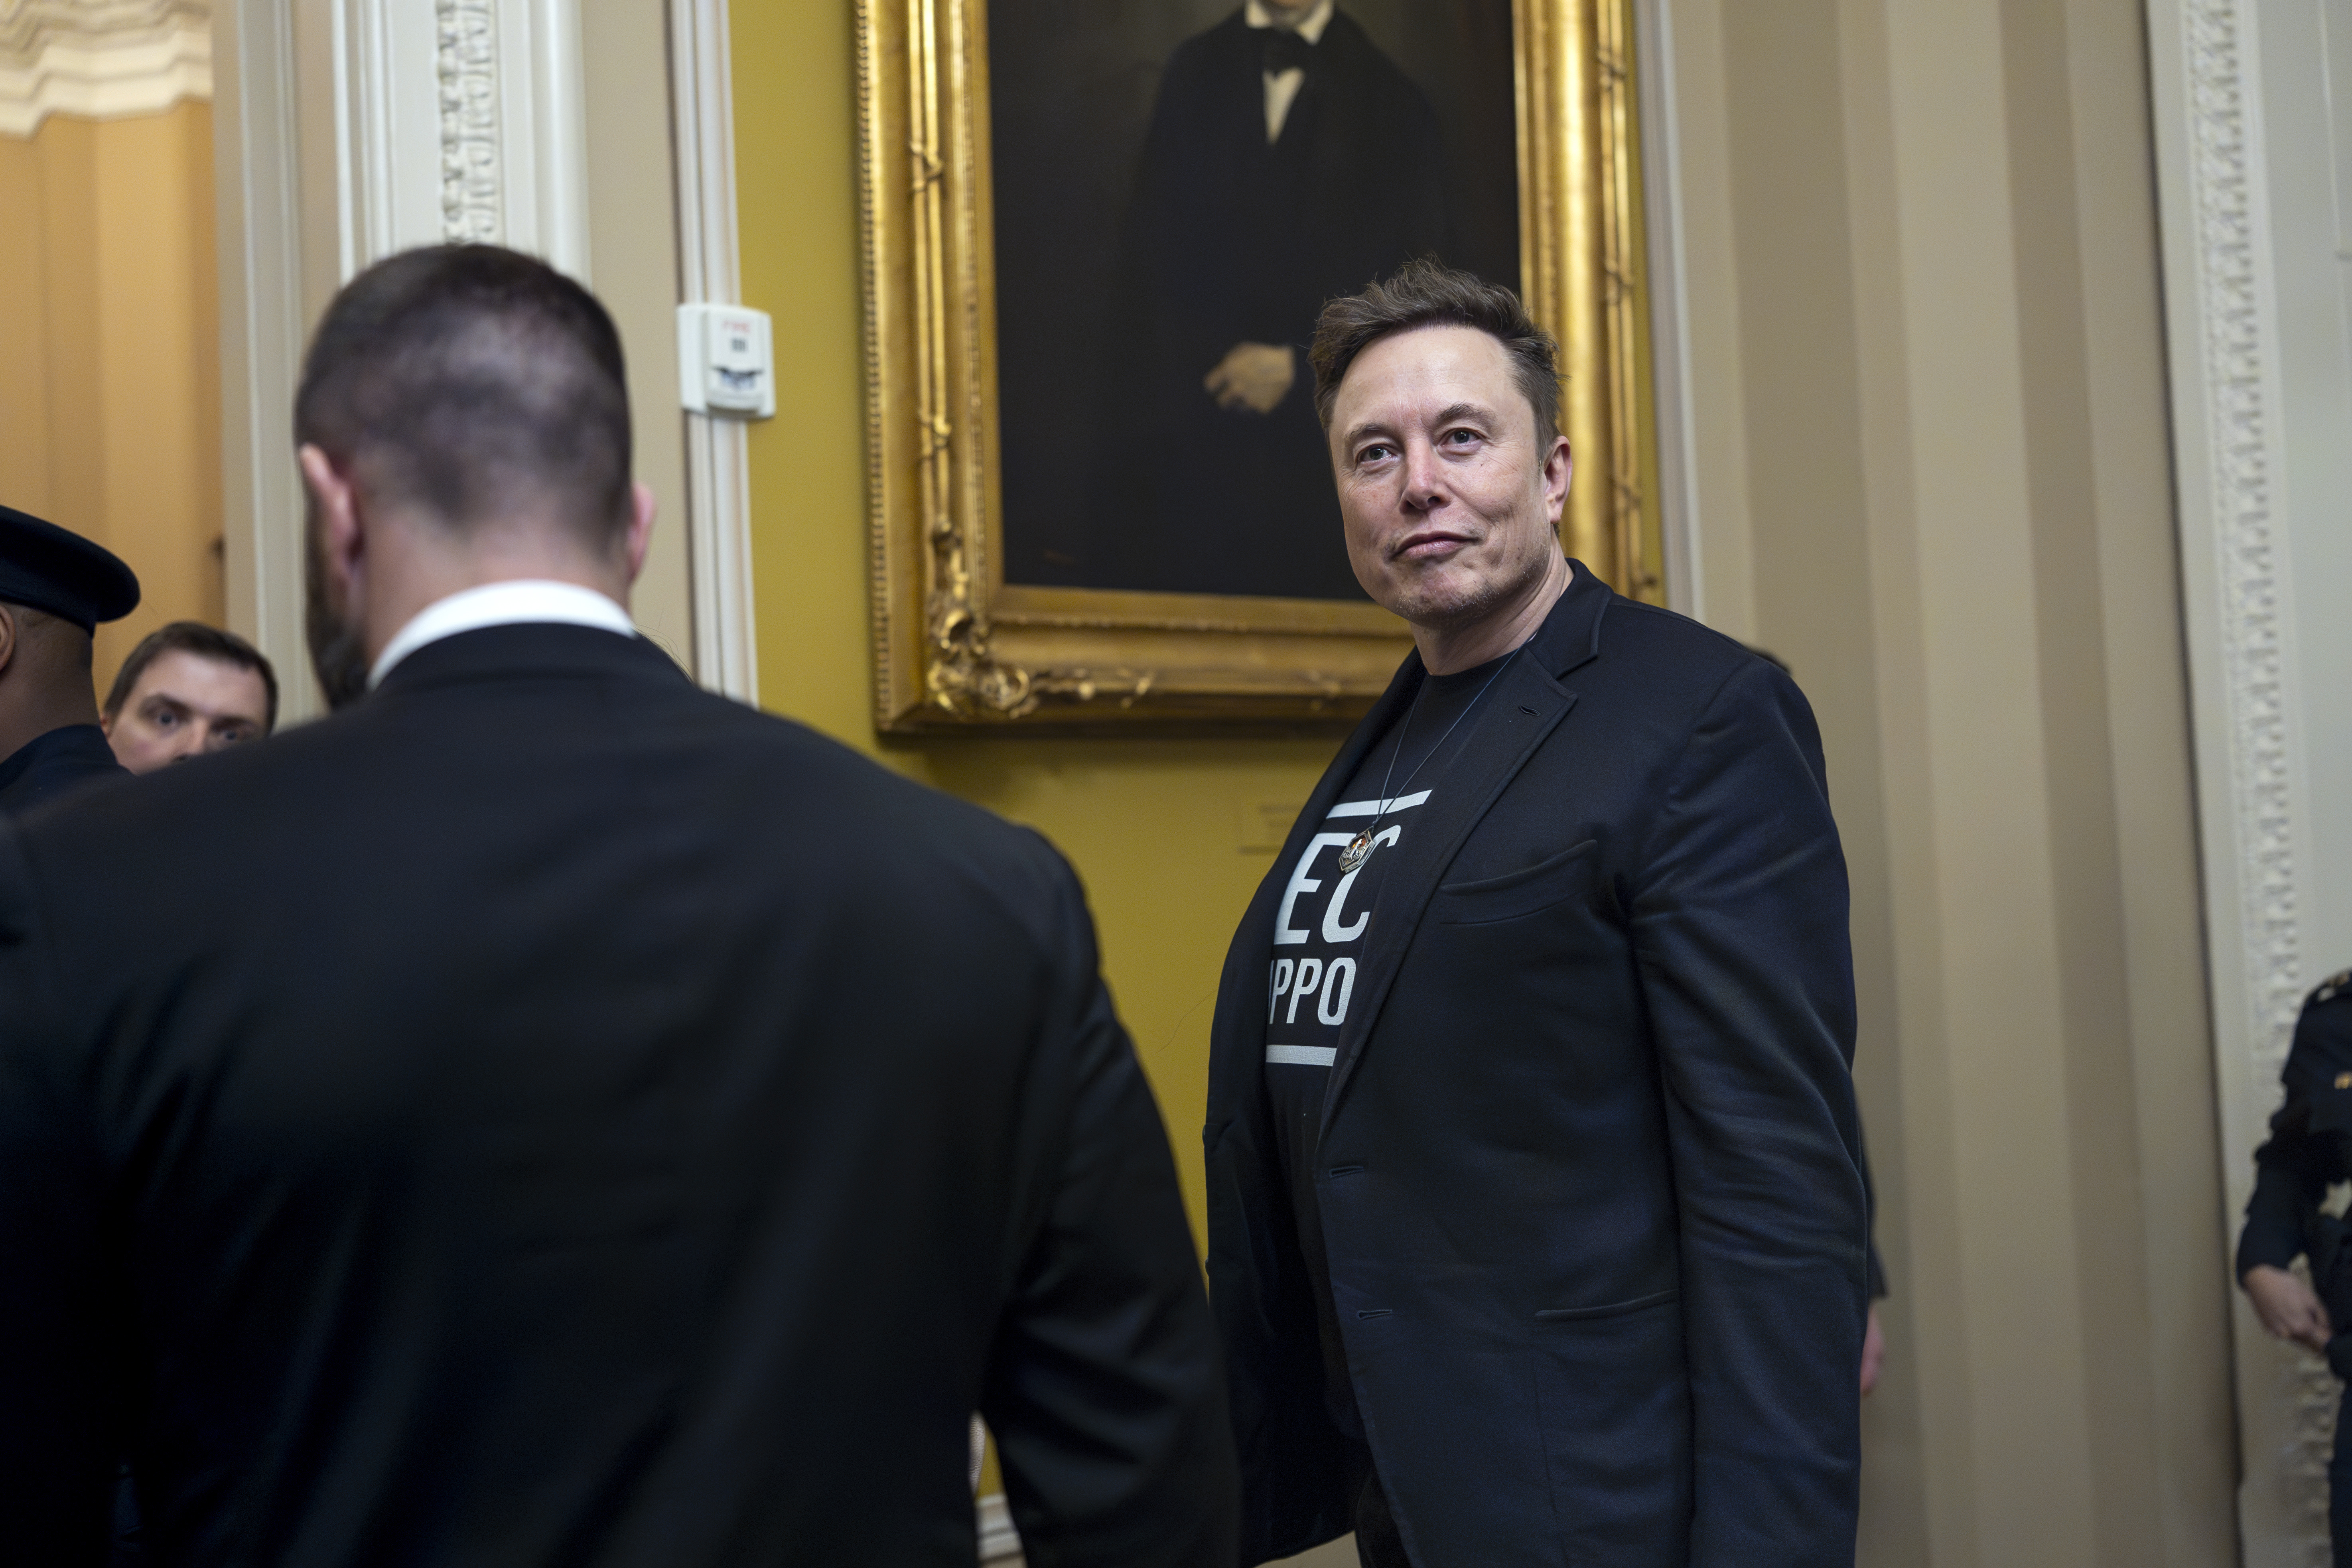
x=100 y=59
x=256 y=121
x=2236 y=575
x=2240 y=375
x=467 y=68
x=460 y=120
x=719 y=484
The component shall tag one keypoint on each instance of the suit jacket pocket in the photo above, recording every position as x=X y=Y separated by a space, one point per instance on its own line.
x=1613 y=1403
x=1614 y=1309
x=1553 y=880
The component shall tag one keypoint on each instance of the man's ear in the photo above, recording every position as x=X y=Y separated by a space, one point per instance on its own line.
x=641 y=528
x=1559 y=469
x=343 y=534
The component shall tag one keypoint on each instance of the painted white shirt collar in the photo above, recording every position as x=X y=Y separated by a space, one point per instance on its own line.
x=512 y=603
x=1282 y=87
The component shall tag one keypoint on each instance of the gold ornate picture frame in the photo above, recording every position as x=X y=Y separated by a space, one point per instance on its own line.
x=956 y=646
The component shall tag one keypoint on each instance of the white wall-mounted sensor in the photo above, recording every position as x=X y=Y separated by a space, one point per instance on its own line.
x=726 y=362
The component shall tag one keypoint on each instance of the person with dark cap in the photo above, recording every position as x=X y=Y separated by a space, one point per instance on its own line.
x=55 y=588
x=2309 y=1152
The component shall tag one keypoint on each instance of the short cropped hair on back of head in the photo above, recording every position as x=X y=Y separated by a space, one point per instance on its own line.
x=473 y=382
x=206 y=642
x=1425 y=292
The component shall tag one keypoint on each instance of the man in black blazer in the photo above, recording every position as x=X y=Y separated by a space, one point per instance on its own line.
x=546 y=1113
x=1536 y=1225
x=1289 y=160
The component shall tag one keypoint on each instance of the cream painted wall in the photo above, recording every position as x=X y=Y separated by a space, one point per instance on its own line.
x=1932 y=472
x=632 y=264
x=110 y=352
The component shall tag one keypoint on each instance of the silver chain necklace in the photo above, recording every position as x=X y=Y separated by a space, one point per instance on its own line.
x=1360 y=848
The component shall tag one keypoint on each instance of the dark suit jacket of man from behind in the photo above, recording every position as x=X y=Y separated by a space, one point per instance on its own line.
x=1589 y=1179
x=1230 y=240
x=550 y=1113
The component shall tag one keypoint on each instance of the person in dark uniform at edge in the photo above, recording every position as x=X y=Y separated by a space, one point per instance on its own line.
x=56 y=587
x=1289 y=160
x=2309 y=1151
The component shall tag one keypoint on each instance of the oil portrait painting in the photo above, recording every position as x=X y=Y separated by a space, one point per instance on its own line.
x=1099 y=232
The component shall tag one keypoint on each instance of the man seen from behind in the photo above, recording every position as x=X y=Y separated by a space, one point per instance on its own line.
x=553 y=1113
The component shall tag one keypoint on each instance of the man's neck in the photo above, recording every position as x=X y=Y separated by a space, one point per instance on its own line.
x=1449 y=650
x=24 y=719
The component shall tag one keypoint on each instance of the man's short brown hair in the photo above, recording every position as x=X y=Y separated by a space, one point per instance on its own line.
x=206 y=642
x=472 y=381
x=1428 y=293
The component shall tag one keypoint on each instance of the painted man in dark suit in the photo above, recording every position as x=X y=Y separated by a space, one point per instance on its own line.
x=551 y=1114
x=1536 y=1219
x=1289 y=160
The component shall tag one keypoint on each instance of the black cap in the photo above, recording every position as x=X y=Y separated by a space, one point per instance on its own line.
x=43 y=567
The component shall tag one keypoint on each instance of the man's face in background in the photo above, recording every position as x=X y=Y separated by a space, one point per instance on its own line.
x=184 y=705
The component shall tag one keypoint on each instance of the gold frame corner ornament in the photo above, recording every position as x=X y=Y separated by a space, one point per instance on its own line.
x=954 y=645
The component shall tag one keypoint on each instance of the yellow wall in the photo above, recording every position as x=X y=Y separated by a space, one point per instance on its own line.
x=109 y=354
x=1155 y=827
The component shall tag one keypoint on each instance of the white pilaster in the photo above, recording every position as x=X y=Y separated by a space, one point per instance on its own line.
x=2239 y=523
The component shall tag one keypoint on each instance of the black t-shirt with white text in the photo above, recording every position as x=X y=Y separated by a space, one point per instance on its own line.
x=1315 y=977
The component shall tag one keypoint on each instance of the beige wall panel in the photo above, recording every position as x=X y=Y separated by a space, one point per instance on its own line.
x=1716 y=438
x=110 y=368
x=1932 y=472
x=23 y=330
x=69 y=242
x=632 y=254
x=156 y=358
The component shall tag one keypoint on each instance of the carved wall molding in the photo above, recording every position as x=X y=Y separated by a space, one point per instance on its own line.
x=2237 y=573
x=467 y=68
x=100 y=59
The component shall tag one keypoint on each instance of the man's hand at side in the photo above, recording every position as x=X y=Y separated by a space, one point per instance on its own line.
x=1255 y=376
x=2287 y=1306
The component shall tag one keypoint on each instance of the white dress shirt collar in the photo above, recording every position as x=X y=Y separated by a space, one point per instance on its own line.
x=1255 y=15
x=510 y=603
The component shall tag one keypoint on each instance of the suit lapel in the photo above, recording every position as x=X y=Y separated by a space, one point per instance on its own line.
x=1526 y=706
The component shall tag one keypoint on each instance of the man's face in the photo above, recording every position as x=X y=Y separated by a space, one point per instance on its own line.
x=184 y=705
x=1450 y=502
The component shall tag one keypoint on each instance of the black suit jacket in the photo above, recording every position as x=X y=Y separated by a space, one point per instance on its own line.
x=1589 y=1179
x=52 y=766
x=1229 y=240
x=552 y=1114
